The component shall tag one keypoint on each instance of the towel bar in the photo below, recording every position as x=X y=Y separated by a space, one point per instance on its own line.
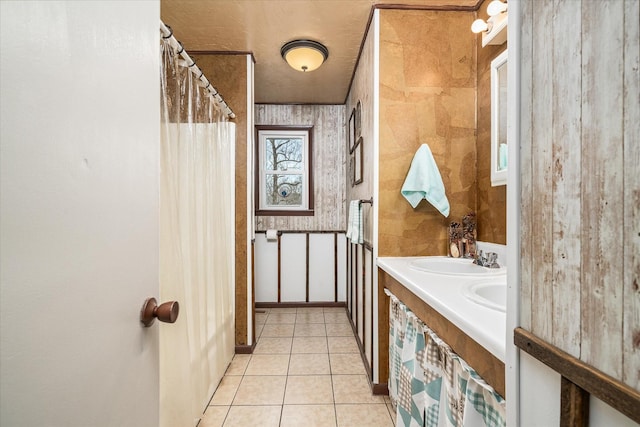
x=370 y=201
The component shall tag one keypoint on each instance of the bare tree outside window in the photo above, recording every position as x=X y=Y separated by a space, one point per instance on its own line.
x=284 y=179
x=286 y=155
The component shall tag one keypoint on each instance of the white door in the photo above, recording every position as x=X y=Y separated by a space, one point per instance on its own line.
x=79 y=155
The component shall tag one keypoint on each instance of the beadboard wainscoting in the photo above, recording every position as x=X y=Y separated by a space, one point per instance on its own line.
x=360 y=287
x=301 y=267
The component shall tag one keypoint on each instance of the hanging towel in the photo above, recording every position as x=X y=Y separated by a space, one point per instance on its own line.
x=424 y=182
x=354 y=227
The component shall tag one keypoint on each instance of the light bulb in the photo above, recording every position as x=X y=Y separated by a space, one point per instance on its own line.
x=496 y=7
x=480 y=26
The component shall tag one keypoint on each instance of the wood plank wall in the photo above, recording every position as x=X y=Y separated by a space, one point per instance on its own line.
x=328 y=123
x=580 y=168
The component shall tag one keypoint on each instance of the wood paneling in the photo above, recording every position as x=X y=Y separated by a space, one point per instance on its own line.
x=427 y=95
x=580 y=187
x=631 y=227
x=492 y=201
x=526 y=170
x=565 y=173
x=328 y=164
x=362 y=90
x=228 y=73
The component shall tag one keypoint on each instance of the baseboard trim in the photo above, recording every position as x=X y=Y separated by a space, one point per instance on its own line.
x=299 y=304
x=245 y=349
x=380 y=389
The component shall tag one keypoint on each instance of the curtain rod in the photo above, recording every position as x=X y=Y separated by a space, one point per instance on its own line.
x=167 y=33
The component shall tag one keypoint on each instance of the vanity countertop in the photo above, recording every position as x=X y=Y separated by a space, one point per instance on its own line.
x=444 y=293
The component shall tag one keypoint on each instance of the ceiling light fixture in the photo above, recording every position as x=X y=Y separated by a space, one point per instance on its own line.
x=304 y=55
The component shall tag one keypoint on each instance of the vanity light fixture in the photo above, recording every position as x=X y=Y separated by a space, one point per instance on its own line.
x=494 y=29
x=496 y=7
x=479 y=26
x=304 y=55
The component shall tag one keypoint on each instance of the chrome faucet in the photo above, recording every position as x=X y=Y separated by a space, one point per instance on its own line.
x=489 y=261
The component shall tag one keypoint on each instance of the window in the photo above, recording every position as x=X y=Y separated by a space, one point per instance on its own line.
x=284 y=180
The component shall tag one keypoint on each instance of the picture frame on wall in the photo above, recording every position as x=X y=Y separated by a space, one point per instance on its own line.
x=358 y=119
x=357 y=163
x=351 y=171
x=351 y=137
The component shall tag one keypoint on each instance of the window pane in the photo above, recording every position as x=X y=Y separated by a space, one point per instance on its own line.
x=283 y=154
x=283 y=190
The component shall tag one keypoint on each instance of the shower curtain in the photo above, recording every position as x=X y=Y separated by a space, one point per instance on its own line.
x=196 y=242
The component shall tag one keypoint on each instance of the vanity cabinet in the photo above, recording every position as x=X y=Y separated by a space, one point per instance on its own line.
x=488 y=366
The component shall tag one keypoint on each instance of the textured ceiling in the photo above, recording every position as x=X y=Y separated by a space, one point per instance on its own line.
x=263 y=26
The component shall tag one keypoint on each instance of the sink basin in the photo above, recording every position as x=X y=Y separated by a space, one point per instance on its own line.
x=454 y=267
x=489 y=293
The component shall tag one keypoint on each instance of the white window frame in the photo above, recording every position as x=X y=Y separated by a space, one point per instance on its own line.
x=303 y=132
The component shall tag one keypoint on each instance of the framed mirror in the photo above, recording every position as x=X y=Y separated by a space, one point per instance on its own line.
x=499 y=120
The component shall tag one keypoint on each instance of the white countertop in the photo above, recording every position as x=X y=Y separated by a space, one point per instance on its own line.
x=444 y=294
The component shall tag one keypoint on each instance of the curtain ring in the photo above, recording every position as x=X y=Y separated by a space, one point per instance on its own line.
x=181 y=47
x=170 y=32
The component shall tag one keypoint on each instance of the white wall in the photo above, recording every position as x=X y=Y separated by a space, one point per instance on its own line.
x=79 y=142
x=293 y=267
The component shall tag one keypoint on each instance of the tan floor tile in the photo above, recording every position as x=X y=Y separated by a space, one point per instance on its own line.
x=371 y=415
x=353 y=389
x=308 y=416
x=278 y=330
x=257 y=390
x=226 y=390
x=268 y=364
x=339 y=330
x=310 y=309
x=310 y=317
x=309 y=330
x=269 y=345
x=263 y=416
x=335 y=310
x=259 y=329
x=309 y=345
x=336 y=317
x=309 y=364
x=279 y=318
x=343 y=345
x=214 y=416
x=308 y=390
x=261 y=319
x=392 y=413
x=283 y=310
x=346 y=364
x=238 y=364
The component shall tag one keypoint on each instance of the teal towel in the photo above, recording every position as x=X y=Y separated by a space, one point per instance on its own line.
x=424 y=182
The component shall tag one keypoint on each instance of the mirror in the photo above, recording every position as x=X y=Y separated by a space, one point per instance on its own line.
x=499 y=120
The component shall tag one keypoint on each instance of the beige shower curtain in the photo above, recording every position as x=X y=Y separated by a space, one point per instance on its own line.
x=196 y=243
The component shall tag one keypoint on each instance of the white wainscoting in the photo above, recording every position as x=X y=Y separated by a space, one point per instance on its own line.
x=326 y=255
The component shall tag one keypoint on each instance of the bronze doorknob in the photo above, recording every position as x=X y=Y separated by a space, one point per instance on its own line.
x=166 y=312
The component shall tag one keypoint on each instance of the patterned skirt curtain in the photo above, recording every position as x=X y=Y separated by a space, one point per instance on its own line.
x=429 y=384
x=397 y=322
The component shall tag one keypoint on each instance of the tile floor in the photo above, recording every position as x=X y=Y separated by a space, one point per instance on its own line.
x=306 y=371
